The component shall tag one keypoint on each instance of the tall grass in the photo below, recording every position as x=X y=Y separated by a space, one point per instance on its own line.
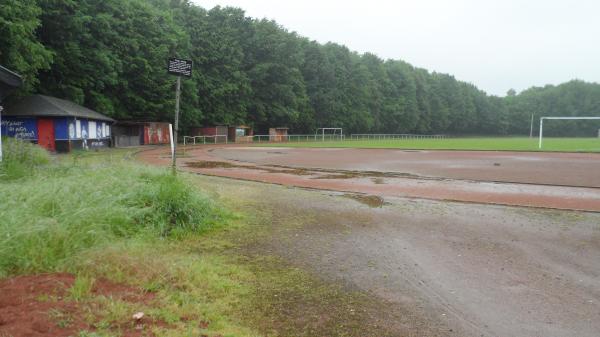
x=20 y=158
x=62 y=209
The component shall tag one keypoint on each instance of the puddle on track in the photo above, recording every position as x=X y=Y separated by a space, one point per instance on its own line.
x=372 y=201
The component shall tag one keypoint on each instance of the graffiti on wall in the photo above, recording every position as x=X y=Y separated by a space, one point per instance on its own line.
x=20 y=128
x=156 y=133
x=98 y=143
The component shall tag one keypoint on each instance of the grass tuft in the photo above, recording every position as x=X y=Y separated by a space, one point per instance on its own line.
x=63 y=208
x=20 y=158
x=82 y=288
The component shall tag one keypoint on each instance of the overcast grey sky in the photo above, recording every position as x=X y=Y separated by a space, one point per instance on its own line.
x=496 y=45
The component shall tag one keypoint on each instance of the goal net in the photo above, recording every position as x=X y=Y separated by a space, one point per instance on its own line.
x=542 y=119
x=324 y=134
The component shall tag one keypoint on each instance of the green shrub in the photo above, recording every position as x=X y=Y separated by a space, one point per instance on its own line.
x=20 y=158
x=174 y=207
x=48 y=218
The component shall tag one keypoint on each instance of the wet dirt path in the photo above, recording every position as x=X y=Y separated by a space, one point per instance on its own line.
x=450 y=269
x=249 y=163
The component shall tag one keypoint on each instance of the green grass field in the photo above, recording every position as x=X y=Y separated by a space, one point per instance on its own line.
x=486 y=144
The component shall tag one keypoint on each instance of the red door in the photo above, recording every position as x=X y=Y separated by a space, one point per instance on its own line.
x=46 y=134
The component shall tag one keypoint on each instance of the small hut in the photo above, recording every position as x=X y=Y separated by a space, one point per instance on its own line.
x=56 y=124
x=278 y=134
x=225 y=133
x=240 y=134
x=132 y=133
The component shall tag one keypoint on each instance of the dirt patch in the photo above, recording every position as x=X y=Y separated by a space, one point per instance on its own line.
x=223 y=164
x=338 y=176
x=373 y=201
x=349 y=174
x=318 y=173
x=378 y=181
x=40 y=305
x=212 y=164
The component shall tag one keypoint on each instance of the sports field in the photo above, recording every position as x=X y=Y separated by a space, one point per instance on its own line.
x=483 y=144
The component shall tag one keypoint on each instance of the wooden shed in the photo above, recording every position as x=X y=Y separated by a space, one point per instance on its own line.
x=240 y=134
x=225 y=133
x=135 y=133
x=278 y=134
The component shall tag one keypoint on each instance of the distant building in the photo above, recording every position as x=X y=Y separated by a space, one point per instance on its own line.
x=240 y=134
x=278 y=134
x=56 y=124
x=225 y=133
x=131 y=133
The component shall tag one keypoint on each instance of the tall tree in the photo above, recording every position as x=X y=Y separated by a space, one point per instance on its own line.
x=20 y=48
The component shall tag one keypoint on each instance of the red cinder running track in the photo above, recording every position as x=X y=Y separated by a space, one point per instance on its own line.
x=549 y=180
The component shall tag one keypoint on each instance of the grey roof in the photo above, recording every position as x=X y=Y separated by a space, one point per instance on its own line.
x=9 y=81
x=40 y=105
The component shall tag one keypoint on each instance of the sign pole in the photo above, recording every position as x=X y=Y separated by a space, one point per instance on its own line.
x=176 y=128
x=179 y=68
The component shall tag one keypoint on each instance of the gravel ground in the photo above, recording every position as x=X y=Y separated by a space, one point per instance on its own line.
x=450 y=269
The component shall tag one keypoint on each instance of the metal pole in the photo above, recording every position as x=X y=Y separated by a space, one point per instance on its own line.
x=531 y=129
x=177 y=96
x=541 y=130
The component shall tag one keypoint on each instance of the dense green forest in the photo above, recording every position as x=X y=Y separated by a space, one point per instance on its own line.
x=110 y=55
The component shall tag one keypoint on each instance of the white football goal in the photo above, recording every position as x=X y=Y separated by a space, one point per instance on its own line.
x=204 y=139
x=330 y=133
x=559 y=118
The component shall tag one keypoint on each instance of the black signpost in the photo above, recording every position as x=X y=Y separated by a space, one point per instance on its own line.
x=179 y=68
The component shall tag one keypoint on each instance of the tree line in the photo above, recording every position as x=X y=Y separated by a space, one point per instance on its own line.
x=110 y=56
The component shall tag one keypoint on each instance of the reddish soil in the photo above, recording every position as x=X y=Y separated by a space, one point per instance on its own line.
x=38 y=305
x=542 y=168
x=547 y=180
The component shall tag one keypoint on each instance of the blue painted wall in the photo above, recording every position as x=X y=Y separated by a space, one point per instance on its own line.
x=61 y=128
x=64 y=128
x=22 y=128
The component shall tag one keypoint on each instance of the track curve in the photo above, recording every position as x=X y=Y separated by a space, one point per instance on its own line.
x=548 y=180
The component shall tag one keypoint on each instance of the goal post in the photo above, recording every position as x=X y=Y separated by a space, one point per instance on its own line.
x=322 y=131
x=559 y=118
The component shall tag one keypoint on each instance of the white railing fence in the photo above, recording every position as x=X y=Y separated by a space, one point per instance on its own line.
x=296 y=138
x=393 y=136
x=222 y=139
x=204 y=139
